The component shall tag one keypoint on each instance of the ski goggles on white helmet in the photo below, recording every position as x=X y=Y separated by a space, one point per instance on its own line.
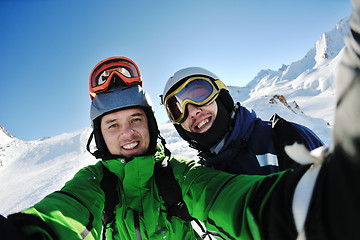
x=197 y=90
x=106 y=72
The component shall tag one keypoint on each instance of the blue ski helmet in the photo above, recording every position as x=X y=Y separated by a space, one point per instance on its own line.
x=115 y=99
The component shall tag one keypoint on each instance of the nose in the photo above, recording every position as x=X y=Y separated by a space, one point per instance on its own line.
x=126 y=130
x=193 y=110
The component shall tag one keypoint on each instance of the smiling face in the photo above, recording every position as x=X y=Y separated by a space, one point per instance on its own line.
x=200 y=119
x=126 y=132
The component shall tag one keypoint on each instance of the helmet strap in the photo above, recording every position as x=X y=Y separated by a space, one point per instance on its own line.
x=163 y=142
x=96 y=153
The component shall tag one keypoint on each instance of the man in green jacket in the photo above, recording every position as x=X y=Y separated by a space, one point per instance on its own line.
x=125 y=132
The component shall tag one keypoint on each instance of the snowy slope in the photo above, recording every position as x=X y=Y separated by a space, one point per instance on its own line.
x=36 y=168
x=31 y=170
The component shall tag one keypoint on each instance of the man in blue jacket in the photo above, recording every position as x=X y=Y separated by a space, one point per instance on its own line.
x=229 y=137
x=313 y=201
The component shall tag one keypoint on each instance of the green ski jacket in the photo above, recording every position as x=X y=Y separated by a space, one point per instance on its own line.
x=75 y=212
x=232 y=205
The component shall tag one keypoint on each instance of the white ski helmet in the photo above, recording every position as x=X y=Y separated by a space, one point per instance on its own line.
x=223 y=98
x=182 y=75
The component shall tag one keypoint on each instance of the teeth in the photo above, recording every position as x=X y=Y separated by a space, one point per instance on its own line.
x=130 y=145
x=203 y=123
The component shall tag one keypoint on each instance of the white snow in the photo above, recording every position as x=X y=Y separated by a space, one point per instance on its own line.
x=31 y=170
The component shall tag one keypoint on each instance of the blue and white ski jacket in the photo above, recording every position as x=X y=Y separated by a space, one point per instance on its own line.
x=256 y=147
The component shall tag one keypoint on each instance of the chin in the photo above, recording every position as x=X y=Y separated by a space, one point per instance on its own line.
x=133 y=154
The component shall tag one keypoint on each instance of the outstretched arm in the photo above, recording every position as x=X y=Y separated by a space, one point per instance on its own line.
x=72 y=213
x=229 y=204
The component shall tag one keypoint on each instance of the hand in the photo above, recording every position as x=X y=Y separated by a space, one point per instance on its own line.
x=8 y=230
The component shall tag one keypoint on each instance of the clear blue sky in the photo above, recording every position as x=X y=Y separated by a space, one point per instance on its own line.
x=48 y=48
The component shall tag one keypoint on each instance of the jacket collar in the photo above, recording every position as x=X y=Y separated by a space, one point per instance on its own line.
x=243 y=122
x=135 y=176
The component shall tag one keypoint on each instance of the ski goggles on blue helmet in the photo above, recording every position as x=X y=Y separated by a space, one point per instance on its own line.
x=197 y=90
x=107 y=72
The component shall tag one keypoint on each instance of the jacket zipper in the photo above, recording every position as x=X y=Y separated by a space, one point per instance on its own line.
x=137 y=225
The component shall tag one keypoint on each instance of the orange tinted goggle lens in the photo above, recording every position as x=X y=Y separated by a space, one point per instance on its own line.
x=103 y=73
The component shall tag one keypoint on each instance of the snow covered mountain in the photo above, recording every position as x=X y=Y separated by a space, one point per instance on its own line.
x=6 y=141
x=302 y=92
x=309 y=82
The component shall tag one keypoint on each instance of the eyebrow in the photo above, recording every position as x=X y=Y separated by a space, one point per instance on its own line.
x=110 y=121
x=137 y=114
